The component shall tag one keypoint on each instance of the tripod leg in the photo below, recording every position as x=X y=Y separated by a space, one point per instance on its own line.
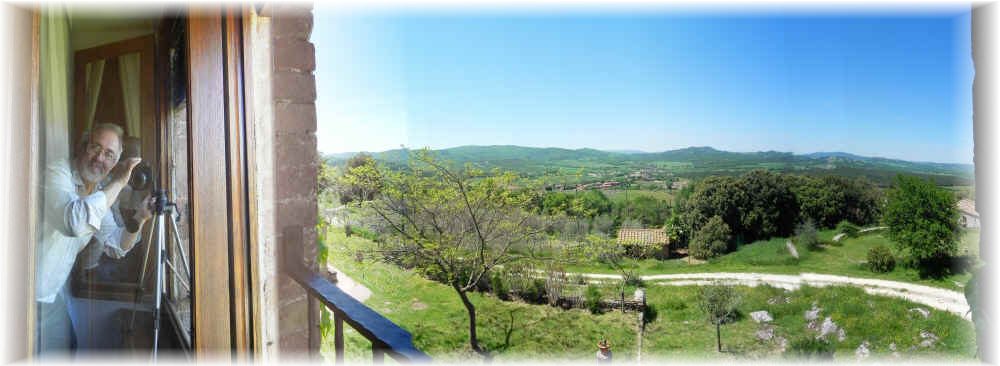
x=180 y=247
x=150 y=242
x=161 y=238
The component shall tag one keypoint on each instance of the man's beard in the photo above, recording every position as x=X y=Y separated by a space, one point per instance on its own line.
x=91 y=174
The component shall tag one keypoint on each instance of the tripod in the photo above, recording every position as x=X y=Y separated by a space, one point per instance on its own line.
x=164 y=212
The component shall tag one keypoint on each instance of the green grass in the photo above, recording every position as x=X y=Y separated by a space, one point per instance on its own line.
x=771 y=256
x=681 y=331
x=618 y=195
x=434 y=315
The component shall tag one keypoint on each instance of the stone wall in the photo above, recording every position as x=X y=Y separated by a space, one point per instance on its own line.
x=293 y=89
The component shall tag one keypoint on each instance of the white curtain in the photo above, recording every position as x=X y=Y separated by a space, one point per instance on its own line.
x=128 y=72
x=55 y=66
x=95 y=74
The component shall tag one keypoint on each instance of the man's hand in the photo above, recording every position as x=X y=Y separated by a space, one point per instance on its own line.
x=143 y=212
x=121 y=172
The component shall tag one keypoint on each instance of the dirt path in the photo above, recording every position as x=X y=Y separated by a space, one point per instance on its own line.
x=938 y=298
x=349 y=285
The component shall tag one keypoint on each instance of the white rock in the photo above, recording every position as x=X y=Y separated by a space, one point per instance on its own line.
x=779 y=300
x=828 y=328
x=892 y=346
x=813 y=314
x=761 y=316
x=863 y=351
x=782 y=344
x=841 y=334
x=924 y=312
x=766 y=333
x=639 y=295
x=929 y=339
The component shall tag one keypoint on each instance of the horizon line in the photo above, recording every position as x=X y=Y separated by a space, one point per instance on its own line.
x=638 y=151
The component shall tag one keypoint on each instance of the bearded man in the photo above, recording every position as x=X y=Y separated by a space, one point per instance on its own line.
x=79 y=194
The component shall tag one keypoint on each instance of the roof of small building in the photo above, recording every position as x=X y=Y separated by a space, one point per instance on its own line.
x=967 y=206
x=643 y=236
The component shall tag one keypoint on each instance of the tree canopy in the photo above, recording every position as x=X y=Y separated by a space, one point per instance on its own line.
x=453 y=225
x=922 y=220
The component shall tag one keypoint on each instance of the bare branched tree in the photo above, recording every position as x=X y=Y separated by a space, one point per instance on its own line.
x=453 y=225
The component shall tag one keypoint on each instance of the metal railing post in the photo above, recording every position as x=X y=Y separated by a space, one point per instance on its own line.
x=338 y=336
x=378 y=356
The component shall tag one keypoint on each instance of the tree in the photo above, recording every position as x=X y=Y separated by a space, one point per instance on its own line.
x=719 y=302
x=646 y=210
x=454 y=225
x=832 y=199
x=767 y=206
x=359 y=183
x=923 y=221
x=756 y=205
x=711 y=240
x=805 y=234
x=609 y=252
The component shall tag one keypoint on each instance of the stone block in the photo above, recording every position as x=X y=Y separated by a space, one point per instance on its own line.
x=295 y=55
x=295 y=87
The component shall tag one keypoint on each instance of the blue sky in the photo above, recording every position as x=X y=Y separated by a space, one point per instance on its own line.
x=895 y=85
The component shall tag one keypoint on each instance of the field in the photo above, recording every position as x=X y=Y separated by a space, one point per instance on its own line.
x=676 y=328
x=771 y=256
x=618 y=195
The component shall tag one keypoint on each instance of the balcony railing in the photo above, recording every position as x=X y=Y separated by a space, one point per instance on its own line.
x=386 y=337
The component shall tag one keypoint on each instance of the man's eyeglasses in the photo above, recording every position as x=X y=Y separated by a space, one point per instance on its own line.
x=97 y=149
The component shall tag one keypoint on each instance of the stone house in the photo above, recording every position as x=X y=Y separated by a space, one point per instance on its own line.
x=969 y=217
x=655 y=237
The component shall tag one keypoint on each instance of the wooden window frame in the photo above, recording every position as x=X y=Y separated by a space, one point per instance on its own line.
x=221 y=204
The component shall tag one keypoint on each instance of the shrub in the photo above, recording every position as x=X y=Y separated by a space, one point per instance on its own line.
x=365 y=233
x=632 y=279
x=711 y=240
x=880 y=259
x=643 y=250
x=534 y=291
x=500 y=286
x=805 y=234
x=848 y=229
x=592 y=299
x=811 y=348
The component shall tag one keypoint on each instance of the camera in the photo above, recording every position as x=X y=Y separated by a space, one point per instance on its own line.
x=142 y=177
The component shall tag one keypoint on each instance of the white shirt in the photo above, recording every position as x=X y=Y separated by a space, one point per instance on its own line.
x=69 y=221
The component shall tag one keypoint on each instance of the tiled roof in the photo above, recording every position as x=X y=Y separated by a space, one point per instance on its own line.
x=967 y=206
x=643 y=236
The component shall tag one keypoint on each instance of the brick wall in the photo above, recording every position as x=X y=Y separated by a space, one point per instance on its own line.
x=293 y=92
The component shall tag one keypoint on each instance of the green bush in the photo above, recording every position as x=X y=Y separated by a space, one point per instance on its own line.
x=534 y=291
x=880 y=259
x=499 y=286
x=809 y=347
x=592 y=299
x=633 y=279
x=848 y=229
x=711 y=240
x=805 y=234
x=643 y=250
x=364 y=233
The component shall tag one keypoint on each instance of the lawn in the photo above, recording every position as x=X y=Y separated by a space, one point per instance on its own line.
x=771 y=256
x=434 y=315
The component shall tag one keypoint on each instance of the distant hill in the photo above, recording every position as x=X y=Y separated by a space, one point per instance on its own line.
x=579 y=165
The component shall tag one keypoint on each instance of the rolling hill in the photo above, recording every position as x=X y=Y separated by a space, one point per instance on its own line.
x=582 y=165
